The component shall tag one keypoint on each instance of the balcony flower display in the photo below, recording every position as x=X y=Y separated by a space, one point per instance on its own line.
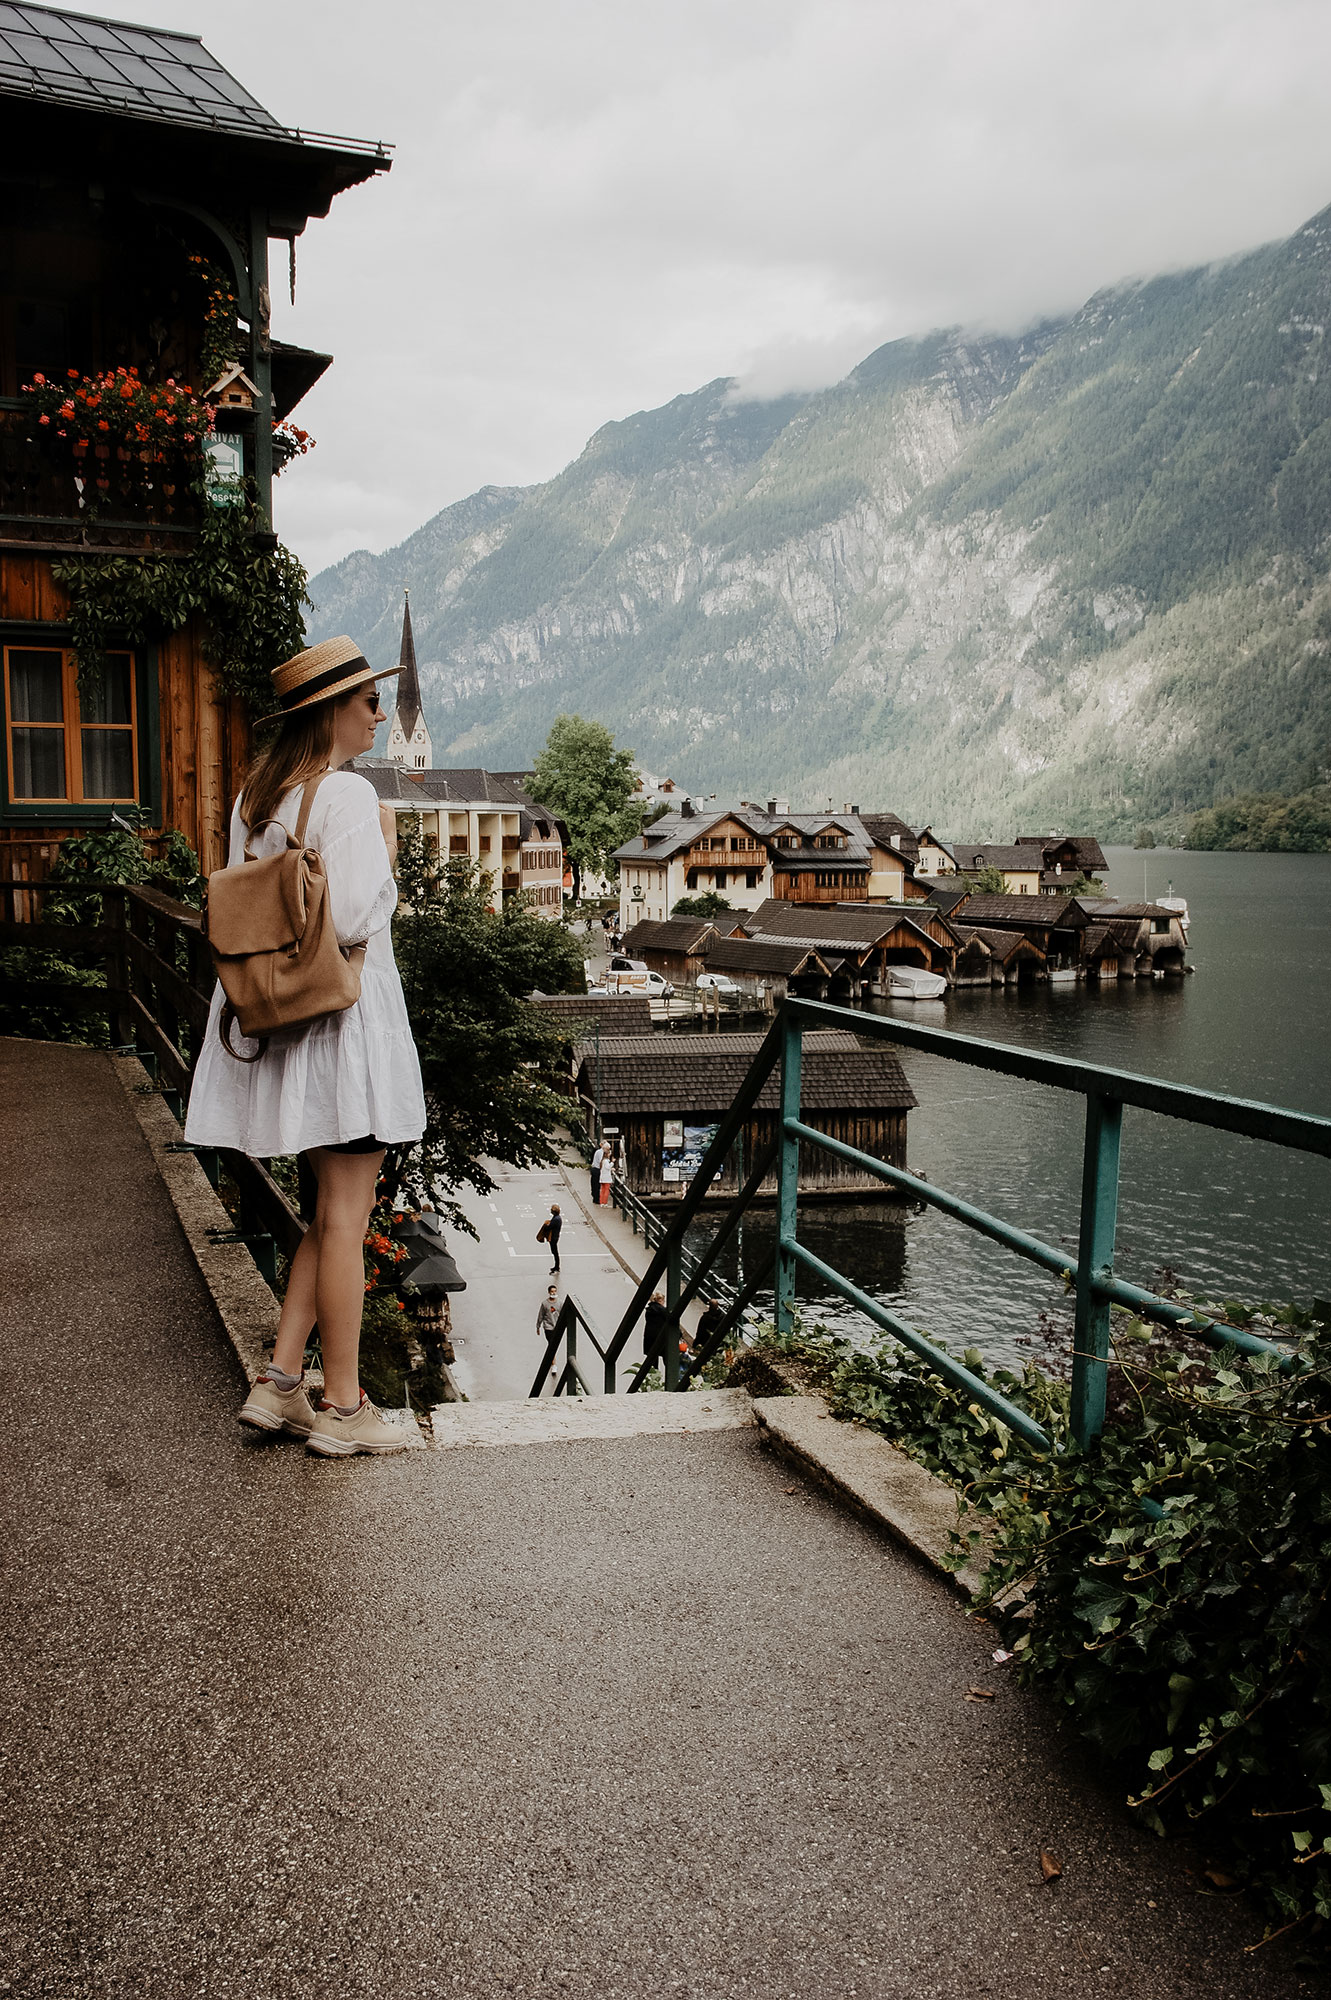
x=122 y=433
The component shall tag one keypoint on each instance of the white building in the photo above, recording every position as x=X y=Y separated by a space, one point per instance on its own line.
x=408 y=736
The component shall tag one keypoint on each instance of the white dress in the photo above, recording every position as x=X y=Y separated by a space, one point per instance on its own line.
x=351 y=1075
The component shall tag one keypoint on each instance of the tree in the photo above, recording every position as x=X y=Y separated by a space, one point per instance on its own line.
x=985 y=881
x=709 y=904
x=486 y=1052
x=590 y=786
x=1145 y=837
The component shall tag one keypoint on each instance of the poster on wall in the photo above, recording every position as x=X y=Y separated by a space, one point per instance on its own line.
x=682 y=1148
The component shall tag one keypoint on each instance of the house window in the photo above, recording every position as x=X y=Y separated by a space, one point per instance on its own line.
x=67 y=746
x=751 y=880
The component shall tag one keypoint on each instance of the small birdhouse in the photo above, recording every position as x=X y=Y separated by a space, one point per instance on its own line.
x=233 y=390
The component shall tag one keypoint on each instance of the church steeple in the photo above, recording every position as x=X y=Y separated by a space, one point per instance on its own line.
x=408 y=736
x=408 y=687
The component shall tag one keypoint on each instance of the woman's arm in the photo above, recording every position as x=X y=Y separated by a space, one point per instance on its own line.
x=388 y=822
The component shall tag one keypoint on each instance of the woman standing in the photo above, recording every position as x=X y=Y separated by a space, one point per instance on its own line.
x=348 y=1086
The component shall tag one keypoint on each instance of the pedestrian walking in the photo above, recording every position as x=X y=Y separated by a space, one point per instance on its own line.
x=597 y=1158
x=549 y=1232
x=655 y=1328
x=346 y=1085
x=547 y=1313
x=605 y=1176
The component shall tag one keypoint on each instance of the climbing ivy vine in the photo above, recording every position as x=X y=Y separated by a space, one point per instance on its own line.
x=250 y=597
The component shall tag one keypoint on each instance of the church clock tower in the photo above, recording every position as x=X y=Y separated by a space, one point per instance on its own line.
x=408 y=737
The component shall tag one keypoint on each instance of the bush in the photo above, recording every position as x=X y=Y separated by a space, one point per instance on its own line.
x=1191 y=1642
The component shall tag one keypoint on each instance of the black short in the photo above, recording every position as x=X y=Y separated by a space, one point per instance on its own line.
x=367 y=1145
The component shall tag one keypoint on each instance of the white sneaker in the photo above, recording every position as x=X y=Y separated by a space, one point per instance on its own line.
x=336 y=1436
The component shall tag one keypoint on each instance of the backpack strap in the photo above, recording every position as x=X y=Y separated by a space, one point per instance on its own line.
x=296 y=839
x=224 y=1021
x=307 y=800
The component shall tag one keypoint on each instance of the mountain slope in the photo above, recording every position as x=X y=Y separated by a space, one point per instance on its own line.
x=1080 y=575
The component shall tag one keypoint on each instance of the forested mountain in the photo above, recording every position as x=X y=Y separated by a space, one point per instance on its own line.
x=1082 y=576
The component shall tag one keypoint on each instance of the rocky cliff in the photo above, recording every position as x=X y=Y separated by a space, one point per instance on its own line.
x=1077 y=576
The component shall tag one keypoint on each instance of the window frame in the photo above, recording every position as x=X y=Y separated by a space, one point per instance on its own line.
x=39 y=635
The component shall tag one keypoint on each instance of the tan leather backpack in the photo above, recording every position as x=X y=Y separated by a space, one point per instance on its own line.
x=271 y=934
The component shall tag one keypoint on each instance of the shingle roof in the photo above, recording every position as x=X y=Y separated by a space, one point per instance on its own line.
x=1001 y=943
x=157 y=73
x=1023 y=912
x=679 y=1074
x=851 y=926
x=679 y=934
x=1090 y=854
x=1109 y=906
x=455 y=788
x=624 y=1014
x=783 y=957
x=991 y=854
x=885 y=826
x=945 y=896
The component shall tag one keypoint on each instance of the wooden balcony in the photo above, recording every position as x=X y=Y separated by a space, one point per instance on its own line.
x=107 y=497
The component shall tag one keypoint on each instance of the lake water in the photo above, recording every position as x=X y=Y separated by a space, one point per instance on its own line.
x=1231 y=1217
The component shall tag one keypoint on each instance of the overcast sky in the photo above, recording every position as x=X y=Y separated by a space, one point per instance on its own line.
x=597 y=205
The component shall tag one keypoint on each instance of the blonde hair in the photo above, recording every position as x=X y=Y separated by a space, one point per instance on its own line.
x=300 y=750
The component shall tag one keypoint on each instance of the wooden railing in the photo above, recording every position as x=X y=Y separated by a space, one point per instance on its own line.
x=155 y=992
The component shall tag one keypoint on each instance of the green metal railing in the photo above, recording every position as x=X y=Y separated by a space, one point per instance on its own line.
x=1090 y=1273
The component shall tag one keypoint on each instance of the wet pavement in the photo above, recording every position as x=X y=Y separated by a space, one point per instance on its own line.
x=631 y=1717
x=507 y=1272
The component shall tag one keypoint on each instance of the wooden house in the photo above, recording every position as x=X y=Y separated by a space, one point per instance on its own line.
x=675 y=947
x=143 y=187
x=767 y=969
x=1053 y=924
x=857 y=942
x=1063 y=858
x=1019 y=866
x=933 y=857
x=667 y=1094
x=1142 y=939
x=990 y=957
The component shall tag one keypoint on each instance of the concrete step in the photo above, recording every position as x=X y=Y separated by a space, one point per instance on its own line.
x=556 y=1420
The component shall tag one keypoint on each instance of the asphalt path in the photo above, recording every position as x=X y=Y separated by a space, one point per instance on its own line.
x=507 y=1272
x=639 y=1719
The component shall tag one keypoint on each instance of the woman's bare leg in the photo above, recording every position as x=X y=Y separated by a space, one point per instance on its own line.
x=327 y=1280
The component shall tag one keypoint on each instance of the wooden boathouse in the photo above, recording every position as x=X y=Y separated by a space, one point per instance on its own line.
x=667 y=1094
x=142 y=395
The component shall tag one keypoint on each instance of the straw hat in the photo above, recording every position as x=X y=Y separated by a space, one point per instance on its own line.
x=319 y=673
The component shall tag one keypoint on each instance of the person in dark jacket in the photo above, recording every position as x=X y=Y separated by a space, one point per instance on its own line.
x=656 y=1321
x=551 y=1231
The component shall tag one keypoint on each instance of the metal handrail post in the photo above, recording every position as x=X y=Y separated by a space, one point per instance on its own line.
x=670 y=1357
x=1095 y=1263
x=788 y=1172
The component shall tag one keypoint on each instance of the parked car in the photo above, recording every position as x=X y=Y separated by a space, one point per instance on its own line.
x=717 y=982
x=626 y=978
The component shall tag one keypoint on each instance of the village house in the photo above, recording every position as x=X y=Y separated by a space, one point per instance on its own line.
x=1019 y=867
x=144 y=187
x=996 y=957
x=1131 y=940
x=747 y=856
x=855 y=942
x=676 y=947
x=1055 y=925
x=472 y=815
x=1064 y=858
x=665 y=1095
x=933 y=857
x=767 y=969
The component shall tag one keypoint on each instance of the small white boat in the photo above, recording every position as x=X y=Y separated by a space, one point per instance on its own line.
x=1179 y=906
x=912 y=982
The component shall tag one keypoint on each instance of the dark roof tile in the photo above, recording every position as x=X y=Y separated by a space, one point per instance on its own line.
x=675 y=1075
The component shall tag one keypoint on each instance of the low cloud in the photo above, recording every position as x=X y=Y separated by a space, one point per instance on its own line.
x=595 y=208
